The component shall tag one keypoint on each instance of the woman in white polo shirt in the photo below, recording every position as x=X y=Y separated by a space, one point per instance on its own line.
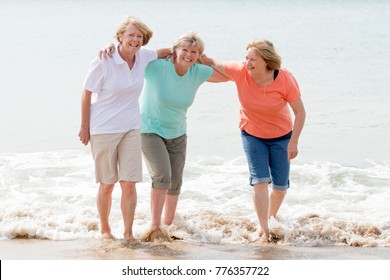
x=111 y=119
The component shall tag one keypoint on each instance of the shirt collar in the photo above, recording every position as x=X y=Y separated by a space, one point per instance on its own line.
x=118 y=59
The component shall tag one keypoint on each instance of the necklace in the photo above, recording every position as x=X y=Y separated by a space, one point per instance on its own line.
x=266 y=83
x=264 y=95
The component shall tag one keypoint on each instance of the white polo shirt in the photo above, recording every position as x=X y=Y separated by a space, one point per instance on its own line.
x=115 y=92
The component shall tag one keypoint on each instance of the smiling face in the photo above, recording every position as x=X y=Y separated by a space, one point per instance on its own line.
x=131 y=39
x=187 y=55
x=254 y=63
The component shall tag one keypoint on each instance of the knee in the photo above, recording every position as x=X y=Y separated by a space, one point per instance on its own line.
x=106 y=189
x=260 y=187
x=128 y=187
x=279 y=193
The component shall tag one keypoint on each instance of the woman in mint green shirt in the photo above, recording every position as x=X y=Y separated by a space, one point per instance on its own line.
x=170 y=88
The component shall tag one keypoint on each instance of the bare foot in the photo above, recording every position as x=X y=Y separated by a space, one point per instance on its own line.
x=264 y=237
x=127 y=242
x=128 y=237
x=155 y=234
x=108 y=237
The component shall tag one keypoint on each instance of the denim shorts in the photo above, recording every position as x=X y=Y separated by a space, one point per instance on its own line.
x=267 y=160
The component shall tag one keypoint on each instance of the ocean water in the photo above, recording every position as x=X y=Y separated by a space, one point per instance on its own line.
x=337 y=50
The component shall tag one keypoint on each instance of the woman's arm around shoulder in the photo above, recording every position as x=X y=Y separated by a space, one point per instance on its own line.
x=218 y=77
x=219 y=73
x=164 y=53
x=108 y=50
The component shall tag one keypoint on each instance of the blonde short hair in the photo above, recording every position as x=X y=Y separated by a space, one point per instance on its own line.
x=146 y=32
x=267 y=51
x=190 y=38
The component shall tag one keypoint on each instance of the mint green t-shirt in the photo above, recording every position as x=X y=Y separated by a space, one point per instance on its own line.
x=167 y=96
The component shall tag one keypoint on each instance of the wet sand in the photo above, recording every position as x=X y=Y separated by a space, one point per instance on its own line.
x=96 y=249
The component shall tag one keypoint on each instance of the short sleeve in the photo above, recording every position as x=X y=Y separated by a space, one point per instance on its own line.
x=95 y=76
x=234 y=69
x=292 y=91
x=204 y=72
x=153 y=67
x=148 y=55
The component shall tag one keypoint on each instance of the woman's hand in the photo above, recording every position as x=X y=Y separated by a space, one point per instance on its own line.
x=165 y=53
x=204 y=59
x=219 y=74
x=84 y=135
x=108 y=50
x=292 y=150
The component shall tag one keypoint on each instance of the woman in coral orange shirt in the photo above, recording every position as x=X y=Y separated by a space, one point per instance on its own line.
x=269 y=134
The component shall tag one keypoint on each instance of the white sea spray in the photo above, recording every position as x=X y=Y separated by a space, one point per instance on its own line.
x=51 y=195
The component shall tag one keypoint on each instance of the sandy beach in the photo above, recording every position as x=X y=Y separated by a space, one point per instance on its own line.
x=94 y=249
x=97 y=259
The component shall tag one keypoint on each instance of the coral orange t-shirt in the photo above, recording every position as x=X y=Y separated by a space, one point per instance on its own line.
x=264 y=111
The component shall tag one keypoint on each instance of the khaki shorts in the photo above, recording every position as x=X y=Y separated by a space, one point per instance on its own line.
x=117 y=156
x=165 y=159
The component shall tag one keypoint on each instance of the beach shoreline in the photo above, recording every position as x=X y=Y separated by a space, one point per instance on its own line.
x=96 y=249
